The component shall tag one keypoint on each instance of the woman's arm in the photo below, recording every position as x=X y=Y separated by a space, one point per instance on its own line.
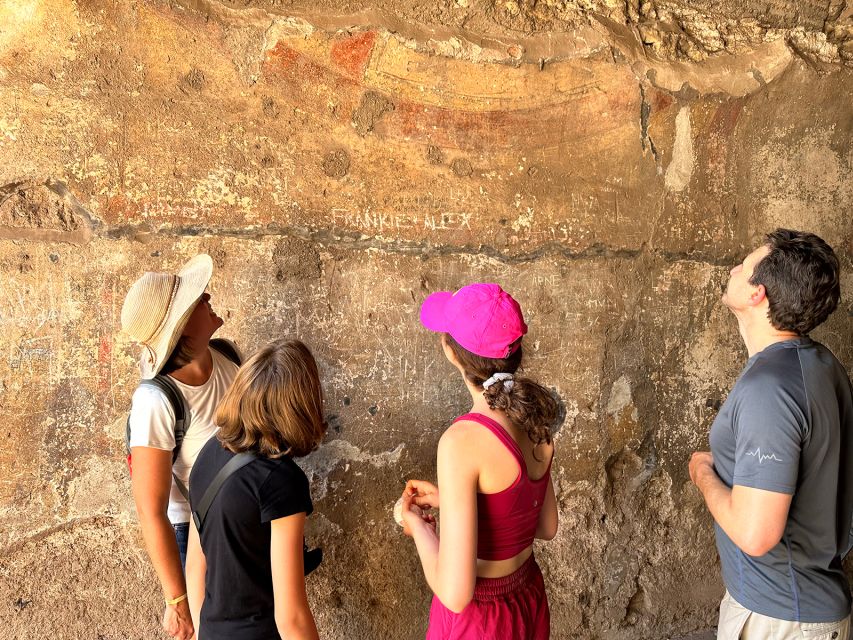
x=151 y=482
x=451 y=568
x=424 y=494
x=292 y=614
x=196 y=568
x=546 y=528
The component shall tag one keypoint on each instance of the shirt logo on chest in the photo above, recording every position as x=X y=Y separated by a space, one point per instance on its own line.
x=762 y=456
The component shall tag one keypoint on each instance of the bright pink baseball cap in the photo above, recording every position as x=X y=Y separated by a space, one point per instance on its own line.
x=483 y=318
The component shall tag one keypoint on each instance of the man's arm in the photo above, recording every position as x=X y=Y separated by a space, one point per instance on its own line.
x=754 y=519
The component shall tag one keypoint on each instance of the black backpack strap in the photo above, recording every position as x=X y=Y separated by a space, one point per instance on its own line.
x=239 y=461
x=227 y=349
x=179 y=406
x=176 y=400
x=311 y=558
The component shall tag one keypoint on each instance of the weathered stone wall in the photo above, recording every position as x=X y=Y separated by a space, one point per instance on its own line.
x=605 y=161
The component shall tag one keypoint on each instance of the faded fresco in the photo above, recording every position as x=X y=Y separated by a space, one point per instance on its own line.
x=606 y=162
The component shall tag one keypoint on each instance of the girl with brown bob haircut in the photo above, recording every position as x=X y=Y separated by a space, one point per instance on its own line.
x=245 y=568
x=275 y=406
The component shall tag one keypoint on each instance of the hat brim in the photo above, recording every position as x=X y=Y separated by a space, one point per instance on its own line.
x=433 y=311
x=194 y=277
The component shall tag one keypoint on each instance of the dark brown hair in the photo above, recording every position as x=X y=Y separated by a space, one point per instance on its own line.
x=180 y=357
x=275 y=404
x=529 y=405
x=800 y=276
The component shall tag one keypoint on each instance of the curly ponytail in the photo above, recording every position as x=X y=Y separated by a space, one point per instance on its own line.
x=528 y=404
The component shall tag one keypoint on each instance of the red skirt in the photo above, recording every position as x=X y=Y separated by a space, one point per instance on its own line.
x=514 y=607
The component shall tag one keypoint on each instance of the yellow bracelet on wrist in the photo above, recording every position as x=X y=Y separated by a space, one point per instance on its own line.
x=175 y=601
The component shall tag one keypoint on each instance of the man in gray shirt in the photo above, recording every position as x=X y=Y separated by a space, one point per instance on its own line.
x=779 y=477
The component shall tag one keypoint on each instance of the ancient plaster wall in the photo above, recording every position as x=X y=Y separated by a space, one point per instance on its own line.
x=606 y=161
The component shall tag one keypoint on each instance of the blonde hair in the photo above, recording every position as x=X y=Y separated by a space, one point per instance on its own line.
x=275 y=404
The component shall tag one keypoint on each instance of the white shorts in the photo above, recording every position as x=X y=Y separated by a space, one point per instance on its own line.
x=739 y=623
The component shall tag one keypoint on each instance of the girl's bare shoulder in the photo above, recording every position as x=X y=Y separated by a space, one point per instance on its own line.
x=463 y=436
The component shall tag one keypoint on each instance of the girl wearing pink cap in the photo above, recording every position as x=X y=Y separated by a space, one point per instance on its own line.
x=494 y=478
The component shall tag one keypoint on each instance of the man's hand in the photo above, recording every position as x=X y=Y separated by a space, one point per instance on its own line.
x=177 y=621
x=754 y=519
x=698 y=461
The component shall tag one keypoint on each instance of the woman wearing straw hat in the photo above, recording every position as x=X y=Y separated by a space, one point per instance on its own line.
x=171 y=317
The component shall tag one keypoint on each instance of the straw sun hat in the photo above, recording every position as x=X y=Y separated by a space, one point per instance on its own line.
x=157 y=308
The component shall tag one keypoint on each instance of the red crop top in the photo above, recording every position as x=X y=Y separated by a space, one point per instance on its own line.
x=507 y=520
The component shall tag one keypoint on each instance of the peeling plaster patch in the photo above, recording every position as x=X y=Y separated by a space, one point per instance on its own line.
x=572 y=410
x=462 y=167
x=800 y=183
x=322 y=462
x=17 y=14
x=706 y=357
x=318 y=525
x=523 y=221
x=814 y=46
x=570 y=417
x=733 y=75
x=28 y=24
x=45 y=211
x=285 y=28
x=103 y=487
x=456 y=47
x=620 y=396
x=372 y=107
x=681 y=167
x=92 y=166
x=39 y=89
x=336 y=163
x=10 y=129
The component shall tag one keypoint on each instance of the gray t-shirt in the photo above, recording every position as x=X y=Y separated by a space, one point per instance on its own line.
x=787 y=426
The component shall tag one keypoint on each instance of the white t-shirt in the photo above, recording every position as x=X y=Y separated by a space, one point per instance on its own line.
x=152 y=424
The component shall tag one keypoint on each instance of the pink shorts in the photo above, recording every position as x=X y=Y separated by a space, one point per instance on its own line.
x=514 y=606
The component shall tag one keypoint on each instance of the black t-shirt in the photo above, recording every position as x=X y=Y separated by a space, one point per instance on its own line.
x=238 y=592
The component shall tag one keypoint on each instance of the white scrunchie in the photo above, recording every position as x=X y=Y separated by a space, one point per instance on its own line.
x=506 y=377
